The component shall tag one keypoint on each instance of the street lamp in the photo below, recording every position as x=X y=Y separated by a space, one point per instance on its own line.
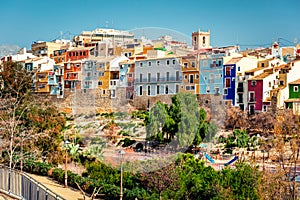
x=122 y=153
x=66 y=143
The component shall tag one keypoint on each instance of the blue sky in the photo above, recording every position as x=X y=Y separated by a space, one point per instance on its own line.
x=250 y=22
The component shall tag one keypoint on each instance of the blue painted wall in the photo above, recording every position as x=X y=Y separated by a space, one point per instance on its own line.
x=231 y=93
x=211 y=74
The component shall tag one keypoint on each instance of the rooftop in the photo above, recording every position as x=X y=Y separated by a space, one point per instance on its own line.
x=295 y=82
x=234 y=60
x=261 y=76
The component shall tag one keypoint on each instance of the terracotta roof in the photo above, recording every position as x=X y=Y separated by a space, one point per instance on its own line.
x=234 y=60
x=295 y=82
x=261 y=76
x=256 y=69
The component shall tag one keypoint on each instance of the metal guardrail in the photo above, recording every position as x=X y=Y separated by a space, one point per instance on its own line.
x=20 y=185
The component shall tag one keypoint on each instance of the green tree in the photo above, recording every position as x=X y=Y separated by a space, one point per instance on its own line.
x=156 y=121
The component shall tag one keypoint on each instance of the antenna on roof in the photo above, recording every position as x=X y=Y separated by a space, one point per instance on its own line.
x=106 y=24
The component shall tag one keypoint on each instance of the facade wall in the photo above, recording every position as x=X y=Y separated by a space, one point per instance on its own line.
x=257 y=89
x=211 y=74
x=229 y=72
x=157 y=77
x=190 y=75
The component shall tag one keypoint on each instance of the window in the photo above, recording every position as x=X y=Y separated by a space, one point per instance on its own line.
x=253 y=83
x=101 y=65
x=130 y=75
x=225 y=91
x=239 y=68
x=211 y=78
x=265 y=108
x=270 y=84
x=141 y=64
x=262 y=64
x=174 y=61
x=149 y=90
x=177 y=75
x=168 y=76
x=203 y=40
x=149 y=77
x=207 y=89
x=103 y=92
x=167 y=89
x=141 y=77
x=157 y=89
x=220 y=63
x=227 y=70
x=296 y=89
x=251 y=97
x=157 y=63
x=113 y=82
x=113 y=94
x=185 y=76
x=281 y=82
x=141 y=90
x=101 y=73
x=149 y=64
x=217 y=90
x=227 y=82
x=168 y=62
x=177 y=88
x=191 y=78
x=158 y=76
x=197 y=76
x=99 y=83
x=129 y=84
x=185 y=65
x=193 y=64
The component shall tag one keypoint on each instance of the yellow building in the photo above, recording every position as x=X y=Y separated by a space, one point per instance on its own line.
x=45 y=48
x=41 y=84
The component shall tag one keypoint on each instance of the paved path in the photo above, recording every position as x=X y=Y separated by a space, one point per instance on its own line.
x=67 y=193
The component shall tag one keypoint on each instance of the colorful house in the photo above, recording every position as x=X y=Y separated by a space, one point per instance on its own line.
x=259 y=90
x=78 y=53
x=235 y=84
x=72 y=74
x=293 y=102
x=190 y=74
x=156 y=78
x=211 y=73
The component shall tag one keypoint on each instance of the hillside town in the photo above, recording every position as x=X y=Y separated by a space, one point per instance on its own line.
x=116 y=71
x=175 y=120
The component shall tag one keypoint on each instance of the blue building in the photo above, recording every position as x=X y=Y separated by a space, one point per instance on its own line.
x=211 y=73
x=229 y=71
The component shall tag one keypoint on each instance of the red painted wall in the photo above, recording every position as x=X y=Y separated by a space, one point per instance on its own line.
x=77 y=55
x=258 y=92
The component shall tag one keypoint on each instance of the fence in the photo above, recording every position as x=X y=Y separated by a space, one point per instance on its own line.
x=20 y=185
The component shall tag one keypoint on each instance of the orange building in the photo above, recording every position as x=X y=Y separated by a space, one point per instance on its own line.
x=190 y=74
x=78 y=53
x=72 y=74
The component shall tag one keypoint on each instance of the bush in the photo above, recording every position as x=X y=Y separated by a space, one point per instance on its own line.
x=34 y=167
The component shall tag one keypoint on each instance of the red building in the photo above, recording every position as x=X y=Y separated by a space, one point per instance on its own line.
x=255 y=94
